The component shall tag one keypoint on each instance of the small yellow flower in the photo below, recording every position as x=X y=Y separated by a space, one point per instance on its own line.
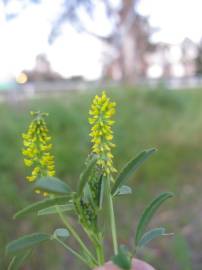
x=28 y=162
x=101 y=113
x=31 y=178
x=37 y=149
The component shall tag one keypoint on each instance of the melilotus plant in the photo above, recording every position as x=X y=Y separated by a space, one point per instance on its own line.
x=98 y=185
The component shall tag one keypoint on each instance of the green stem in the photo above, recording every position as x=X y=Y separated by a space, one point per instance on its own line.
x=111 y=215
x=100 y=251
x=74 y=252
x=76 y=236
x=98 y=255
x=98 y=243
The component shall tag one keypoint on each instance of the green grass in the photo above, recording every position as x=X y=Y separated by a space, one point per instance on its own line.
x=168 y=120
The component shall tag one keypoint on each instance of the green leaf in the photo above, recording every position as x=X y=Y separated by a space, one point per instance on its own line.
x=85 y=175
x=123 y=259
x=150 y=235
x=52 y=185
x=149 y=212
x=26 y=242
x=101 y=191
x=18 y=260
x=131 y=167
x=123 y=190
x=41 y=205
x=54 y=209
x=88 y=196
x=61 y=232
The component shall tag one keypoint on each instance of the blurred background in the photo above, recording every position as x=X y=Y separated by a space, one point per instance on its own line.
x=147 y=54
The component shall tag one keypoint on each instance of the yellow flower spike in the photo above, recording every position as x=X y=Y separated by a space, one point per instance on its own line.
x=37 y=148
x=101 y=131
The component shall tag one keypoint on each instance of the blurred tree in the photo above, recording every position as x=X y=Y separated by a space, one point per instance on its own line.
x=199 y=59
x=42 y=70
x=189 y=54
x=126 y=44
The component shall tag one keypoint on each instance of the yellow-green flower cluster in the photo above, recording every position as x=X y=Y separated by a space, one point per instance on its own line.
x=37 y=148
x=101 y=113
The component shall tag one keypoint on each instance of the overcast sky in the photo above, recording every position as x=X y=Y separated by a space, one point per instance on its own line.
x=176 y=19
x=74 y=54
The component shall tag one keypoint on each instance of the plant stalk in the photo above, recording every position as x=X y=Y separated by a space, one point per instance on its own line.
x=98 y=243
x=74 y=252
x=77 y=237
x=111 y=215
x=100 y=251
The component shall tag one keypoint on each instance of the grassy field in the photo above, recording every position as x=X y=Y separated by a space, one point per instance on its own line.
x=168 y=120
